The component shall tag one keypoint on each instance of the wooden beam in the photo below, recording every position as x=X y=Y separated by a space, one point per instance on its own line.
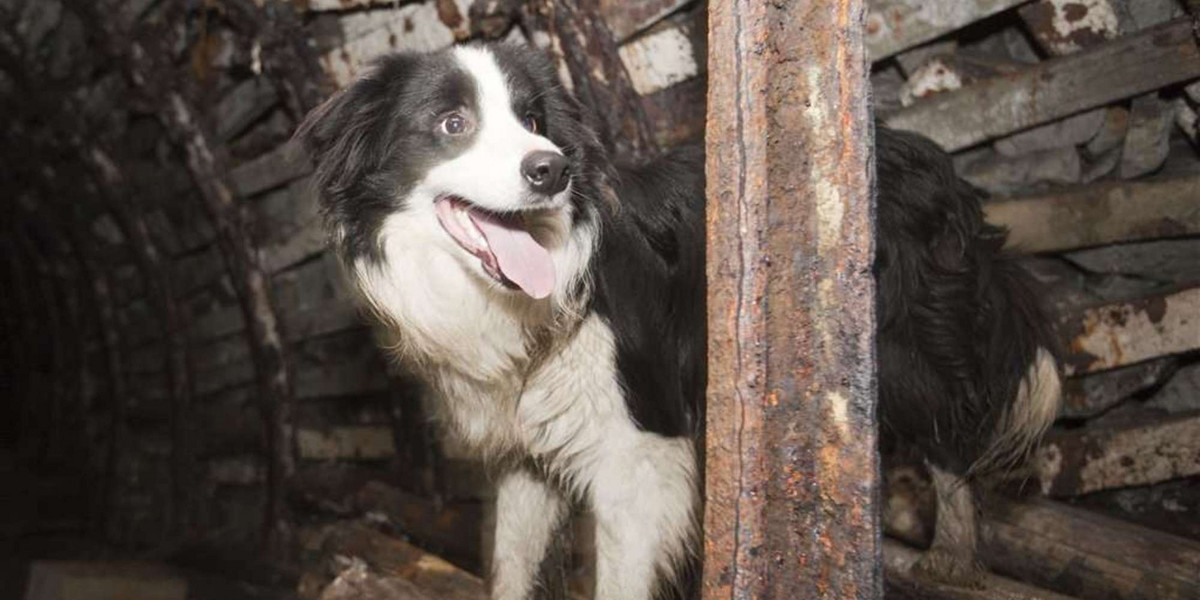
x=1078 y=552
x=897 y=25
x=898 y=560
x=1099 y=214
x=1092 y=394
x=390 y=556
x=1125 y=333
x=1151 y=59
x=1078 y=461
x=579 y=36
x=791 y=474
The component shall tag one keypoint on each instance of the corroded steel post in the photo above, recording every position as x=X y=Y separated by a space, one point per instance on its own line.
x=792 y=468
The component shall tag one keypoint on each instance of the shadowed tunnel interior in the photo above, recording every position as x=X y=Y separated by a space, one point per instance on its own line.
x=161 y=410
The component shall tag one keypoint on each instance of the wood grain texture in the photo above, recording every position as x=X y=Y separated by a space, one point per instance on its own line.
x=1126 y=67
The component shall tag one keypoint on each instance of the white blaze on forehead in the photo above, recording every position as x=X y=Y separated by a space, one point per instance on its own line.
x=488 y=174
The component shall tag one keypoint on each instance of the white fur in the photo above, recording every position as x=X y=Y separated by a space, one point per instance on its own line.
x=520 y=378
x=528 y=511
x=489 y=172
x=1029 y=416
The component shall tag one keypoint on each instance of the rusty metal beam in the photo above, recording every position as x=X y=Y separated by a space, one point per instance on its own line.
x=791 y=465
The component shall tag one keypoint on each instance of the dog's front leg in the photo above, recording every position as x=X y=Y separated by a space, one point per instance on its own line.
x=644 y=499
x=528 y=511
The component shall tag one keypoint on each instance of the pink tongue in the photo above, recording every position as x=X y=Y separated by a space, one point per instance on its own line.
x=522 y=260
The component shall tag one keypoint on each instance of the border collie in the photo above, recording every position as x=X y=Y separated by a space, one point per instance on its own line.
x=554 y=301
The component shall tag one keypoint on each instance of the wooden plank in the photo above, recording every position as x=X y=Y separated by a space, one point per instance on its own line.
x=897 y=25
x=625 y=17
x=273 y=169
x=1126 y=67
x=446 y=528
x=661 y=58
x=1093 y=394
x=343 y=364
x=103 y=580
x=391 y=556
x=1105 y=213
x=898 y=560
x=415 y=27
x=1125 y=333
x=345 y=442
x=791 y=463
x=1078 y=461
x=313 y=299
x=1079 y=552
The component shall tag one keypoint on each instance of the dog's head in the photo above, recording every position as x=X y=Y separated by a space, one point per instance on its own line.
x=470 y=168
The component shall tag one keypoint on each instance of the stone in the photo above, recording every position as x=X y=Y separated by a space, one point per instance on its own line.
x=1071 y=131
x=1004 y=175
x=1148 y=141
x=911 y=60
x=1181 y=393
x=1168 y=261
x=1187 y=120
x=1112 y=131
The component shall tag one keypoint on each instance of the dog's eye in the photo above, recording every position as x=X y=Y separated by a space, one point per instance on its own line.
x=454 y=124
x=530 y=121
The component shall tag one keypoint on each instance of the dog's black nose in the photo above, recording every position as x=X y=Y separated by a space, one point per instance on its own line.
x=545 y=171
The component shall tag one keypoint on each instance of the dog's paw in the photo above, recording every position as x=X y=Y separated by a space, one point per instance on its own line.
x=947 y=567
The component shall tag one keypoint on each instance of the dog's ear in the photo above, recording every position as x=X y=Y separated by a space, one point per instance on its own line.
x=349 y=137
x=342 y=136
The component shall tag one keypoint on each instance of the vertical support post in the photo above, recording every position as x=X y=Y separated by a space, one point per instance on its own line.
x=791 y=459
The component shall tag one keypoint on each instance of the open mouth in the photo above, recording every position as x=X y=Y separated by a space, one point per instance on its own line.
x=501 y=243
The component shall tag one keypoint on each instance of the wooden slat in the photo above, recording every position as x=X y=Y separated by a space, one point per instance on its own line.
x=1120 y=69
x=898 y=560
x=391 y=556
x=1075 y=462
x=1079 y=552
x=273 y=169
x=1100 y=214
x=1125 y=333
x=896 y=25
x=1091 y=395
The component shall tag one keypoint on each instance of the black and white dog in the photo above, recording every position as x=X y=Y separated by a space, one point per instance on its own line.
x=554 y=302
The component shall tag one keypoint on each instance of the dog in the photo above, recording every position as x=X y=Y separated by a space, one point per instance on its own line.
x=966 y=355
x=553 y=299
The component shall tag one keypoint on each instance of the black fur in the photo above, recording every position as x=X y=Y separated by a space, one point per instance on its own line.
x=959 y=320
x=650 y=288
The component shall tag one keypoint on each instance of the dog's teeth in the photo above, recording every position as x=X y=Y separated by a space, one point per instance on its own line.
x=464 y=220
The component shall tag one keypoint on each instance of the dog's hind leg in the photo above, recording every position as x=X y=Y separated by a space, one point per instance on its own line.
x=529 y=511
x=951 y=557
x=644 y=498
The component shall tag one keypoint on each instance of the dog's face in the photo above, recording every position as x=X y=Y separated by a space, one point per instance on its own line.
x=469 y=165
